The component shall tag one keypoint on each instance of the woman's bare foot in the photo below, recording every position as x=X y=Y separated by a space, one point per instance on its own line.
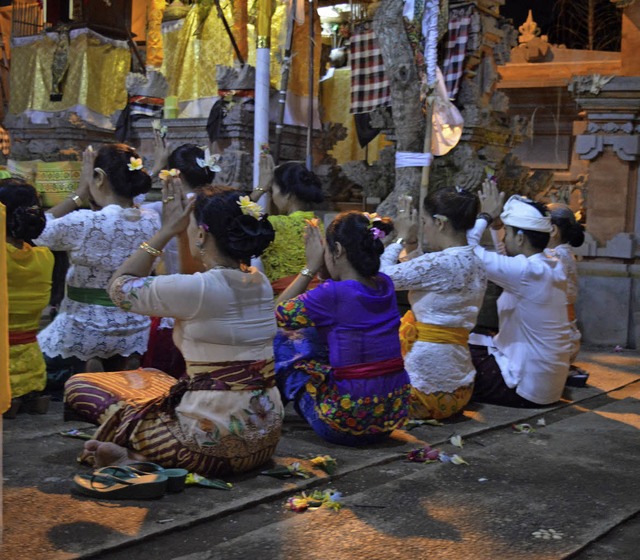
x=108 y=454
x=104 y=454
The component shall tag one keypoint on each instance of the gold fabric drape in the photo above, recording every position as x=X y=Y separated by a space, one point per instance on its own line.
x=155 y=9
x=5 y=390
x=95 y=76
x=335 y=95
x=191 y=54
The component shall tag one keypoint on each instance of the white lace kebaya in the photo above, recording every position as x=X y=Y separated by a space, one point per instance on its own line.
x=97 y=244
x=446 y=288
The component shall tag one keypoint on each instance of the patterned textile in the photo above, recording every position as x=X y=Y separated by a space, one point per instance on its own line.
x=54 y=180
x=97 y=243
x=369 y=84
x=455 y=48
x=343 y=410
x=440 y=405
x=5 y=141
x=29 y=284
x=176 y=424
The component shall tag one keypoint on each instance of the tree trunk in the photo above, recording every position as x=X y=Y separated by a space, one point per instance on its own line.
x=409 y=121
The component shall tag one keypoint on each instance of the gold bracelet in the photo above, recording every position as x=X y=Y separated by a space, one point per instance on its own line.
x=77 y=200
x=149 y=249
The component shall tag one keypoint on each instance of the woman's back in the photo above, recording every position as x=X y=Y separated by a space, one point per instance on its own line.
x=221 y=315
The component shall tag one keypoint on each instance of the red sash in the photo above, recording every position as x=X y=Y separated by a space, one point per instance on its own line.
x=369 y=370
x=22 y=337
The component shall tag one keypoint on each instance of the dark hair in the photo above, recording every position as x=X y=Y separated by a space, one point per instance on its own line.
x=293 y=178
x=113 y=159
x=538 y=239
x=353 y=231
x=184 y=158
x=459 y=205
x=571 y=231
x=238 y=235
x=25 y=216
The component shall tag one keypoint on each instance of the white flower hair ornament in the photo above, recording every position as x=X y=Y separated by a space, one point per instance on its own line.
x=249 y=208
x=210 y=160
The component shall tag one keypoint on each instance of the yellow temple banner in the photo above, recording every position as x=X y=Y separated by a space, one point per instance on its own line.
x=5 y=390
x=92 y=72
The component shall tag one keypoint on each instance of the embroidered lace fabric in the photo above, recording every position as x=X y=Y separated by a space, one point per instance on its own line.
x=97 y=243
x=445 y=288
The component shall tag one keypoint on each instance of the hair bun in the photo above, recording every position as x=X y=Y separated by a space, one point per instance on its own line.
x=26 y=222
x=248 y=237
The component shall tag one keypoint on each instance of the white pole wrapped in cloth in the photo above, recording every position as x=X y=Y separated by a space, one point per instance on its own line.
x=263 y=60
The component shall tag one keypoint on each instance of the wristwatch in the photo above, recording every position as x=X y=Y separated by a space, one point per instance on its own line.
x=306 y=272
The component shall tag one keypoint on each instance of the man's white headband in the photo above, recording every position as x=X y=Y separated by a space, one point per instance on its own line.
x=520 y=214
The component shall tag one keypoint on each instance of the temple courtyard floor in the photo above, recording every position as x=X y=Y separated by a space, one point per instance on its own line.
x=569 y=488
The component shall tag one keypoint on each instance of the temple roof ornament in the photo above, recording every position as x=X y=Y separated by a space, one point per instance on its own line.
x=529 y=30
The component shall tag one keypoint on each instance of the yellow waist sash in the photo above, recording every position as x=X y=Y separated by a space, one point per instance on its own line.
x=411 y=330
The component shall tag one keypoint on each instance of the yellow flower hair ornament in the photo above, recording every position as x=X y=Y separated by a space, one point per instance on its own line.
x=249 y=208
x=166 y=174
x=135 y=164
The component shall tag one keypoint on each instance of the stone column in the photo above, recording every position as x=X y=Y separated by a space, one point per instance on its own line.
x=608 y=310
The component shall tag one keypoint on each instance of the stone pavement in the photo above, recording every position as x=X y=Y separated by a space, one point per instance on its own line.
x=575 y=475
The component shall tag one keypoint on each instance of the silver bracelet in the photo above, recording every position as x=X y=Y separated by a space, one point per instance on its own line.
x=306 y=272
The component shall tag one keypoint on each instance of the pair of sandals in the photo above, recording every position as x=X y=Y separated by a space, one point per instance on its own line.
x=136 y=481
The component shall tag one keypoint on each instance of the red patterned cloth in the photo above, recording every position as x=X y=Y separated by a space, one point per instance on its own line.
x=369 y=85
x=455 y=49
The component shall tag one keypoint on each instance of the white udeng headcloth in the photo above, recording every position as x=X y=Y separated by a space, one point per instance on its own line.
x=520 y=214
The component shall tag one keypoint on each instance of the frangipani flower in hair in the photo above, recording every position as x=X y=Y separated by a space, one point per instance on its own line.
x=135 y=164
x=249 y=208
x=210 y=160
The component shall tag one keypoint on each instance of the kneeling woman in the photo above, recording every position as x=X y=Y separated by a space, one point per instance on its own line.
x=446 y=286
x=226 y=415
x=361 y=395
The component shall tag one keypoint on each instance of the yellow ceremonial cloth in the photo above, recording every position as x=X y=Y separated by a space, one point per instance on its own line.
x=5 y=391
x=192 y=51
x=335 y=98
x=155 y=10
x=95 y=77
x=411 y=331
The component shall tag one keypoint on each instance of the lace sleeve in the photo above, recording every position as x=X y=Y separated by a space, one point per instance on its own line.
x=422 y=272
x=67 y=232
x=293 y=314
x=175 y=295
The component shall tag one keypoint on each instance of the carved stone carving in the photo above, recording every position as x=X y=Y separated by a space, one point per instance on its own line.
x=627 y=148
x=589 y=84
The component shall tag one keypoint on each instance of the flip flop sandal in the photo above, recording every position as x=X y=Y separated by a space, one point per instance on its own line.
x=176 y=477
x=110 y=487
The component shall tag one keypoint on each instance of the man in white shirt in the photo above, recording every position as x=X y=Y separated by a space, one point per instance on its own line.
x=526 y=364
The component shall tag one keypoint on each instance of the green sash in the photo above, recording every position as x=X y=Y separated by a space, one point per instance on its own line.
x=93 y=296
